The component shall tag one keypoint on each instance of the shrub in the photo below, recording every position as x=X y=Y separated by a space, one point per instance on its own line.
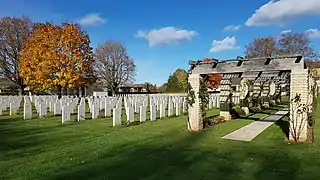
x=208 y=122
x=255 y=109
x=278 y=101
x=212 y=121
x=219 y=119
x=236 y=111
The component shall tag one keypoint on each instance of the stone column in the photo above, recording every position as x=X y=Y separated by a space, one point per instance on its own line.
x=225 y=96
x=265 y=93
x=244 y=90
x=272 y=91
x=195 y=121
x=256 y=94
x=299 y=85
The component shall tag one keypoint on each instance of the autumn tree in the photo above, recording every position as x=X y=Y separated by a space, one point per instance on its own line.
x=213 y=80
x=13 y=34
x=57 y=56
x=113 y=65
x=288 y=43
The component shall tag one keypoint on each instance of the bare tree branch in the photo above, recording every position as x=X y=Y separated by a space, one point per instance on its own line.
x=13 y=33
x=288 y=43
x=113 y=65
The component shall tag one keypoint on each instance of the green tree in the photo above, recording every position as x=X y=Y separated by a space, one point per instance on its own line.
x=173 y=84
x=163 y=88
x=182 y=76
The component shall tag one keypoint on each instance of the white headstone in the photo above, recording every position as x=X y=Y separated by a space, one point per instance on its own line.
x=153 y=113
x=116 y=117
x=130 y=114
x=143 y=114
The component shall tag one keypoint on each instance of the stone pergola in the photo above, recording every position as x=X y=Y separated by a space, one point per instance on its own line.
x=267 y=75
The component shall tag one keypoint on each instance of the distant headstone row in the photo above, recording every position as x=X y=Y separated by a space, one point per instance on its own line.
x=163 y=105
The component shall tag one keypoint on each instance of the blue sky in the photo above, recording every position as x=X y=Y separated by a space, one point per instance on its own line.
x=162 y=36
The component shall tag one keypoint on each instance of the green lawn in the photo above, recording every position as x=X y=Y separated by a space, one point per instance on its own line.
x=92 y=149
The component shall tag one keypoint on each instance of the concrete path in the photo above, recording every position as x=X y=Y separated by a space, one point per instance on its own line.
x=250 y=131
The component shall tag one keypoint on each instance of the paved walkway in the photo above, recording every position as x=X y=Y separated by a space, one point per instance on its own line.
x=250 y=131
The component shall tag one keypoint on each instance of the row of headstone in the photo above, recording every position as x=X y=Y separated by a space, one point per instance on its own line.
x=14 y=106
x=164 y=104
x=11 y=102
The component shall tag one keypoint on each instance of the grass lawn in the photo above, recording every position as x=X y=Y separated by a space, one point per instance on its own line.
x=92 y=149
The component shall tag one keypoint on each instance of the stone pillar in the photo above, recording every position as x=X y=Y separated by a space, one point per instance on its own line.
x=195 y=121
x=244 y=90
x=256 y=94
x=225 y=96
x=299 y=85
x=265 y=93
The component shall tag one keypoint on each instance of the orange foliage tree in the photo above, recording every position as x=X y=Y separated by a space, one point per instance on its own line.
x=213 y=80
x=57 y=56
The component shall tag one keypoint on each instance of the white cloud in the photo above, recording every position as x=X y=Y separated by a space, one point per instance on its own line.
x=277 y=12
x=286 y=31
x=227 y=43
x=232 y=28
x=91 y=20
x=313 y=33
x=166 y=35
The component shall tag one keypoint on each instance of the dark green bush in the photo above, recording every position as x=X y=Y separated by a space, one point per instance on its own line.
x=237 y=112
x=255 y=109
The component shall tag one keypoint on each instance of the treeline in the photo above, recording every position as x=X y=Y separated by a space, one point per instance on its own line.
x=178 y=81
x=44 y=56
x=287 y=43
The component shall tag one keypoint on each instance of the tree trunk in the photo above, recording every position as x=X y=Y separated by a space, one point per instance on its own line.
x=64 y=91
x=114 y=91
x=59 y=88
x=77 y=91
x=21 y=90
x=310 y=134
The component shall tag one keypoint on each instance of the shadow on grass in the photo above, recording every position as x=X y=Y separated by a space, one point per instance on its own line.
x=284 y=125
x=249 y=118
x=14 y=135
x=183 y=159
